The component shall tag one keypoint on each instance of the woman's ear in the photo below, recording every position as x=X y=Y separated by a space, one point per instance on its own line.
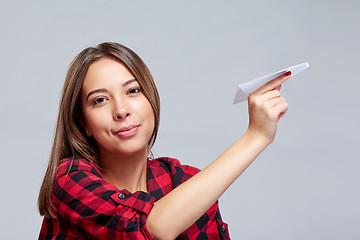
x=86 y=129
x=87 y=132
x=83 y=125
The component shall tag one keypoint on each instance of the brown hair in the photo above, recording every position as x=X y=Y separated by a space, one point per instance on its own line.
x=70 y=140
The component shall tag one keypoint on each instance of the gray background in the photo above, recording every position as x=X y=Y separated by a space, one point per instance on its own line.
x=304 y=186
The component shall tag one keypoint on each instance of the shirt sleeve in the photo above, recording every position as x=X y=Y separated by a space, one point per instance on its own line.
x=210 y=225
x=91 y=206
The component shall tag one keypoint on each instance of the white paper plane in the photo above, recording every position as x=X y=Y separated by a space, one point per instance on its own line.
x=245 y=89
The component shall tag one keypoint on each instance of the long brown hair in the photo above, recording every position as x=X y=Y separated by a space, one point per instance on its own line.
x=70 y=140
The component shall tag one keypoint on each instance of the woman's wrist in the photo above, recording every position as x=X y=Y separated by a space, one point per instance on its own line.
x=257 y=139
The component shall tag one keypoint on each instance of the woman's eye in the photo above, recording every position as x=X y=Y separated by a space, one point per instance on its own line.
x=99 y=100
x=135 y=90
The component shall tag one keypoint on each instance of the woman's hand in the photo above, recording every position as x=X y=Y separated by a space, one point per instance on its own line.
x=266 y=107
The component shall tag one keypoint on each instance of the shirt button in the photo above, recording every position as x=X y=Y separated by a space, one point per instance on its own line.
x=223 y=229
x=122 y=196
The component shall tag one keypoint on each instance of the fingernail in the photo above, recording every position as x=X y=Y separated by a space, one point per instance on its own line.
x=287 y=73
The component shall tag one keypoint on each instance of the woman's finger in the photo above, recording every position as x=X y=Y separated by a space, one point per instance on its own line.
x=270 y=95
x=275 y=83
x=276 y=101
x=278 y=88
x=281 y=109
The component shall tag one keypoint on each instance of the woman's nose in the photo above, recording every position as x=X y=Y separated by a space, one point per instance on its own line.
x=121 y=112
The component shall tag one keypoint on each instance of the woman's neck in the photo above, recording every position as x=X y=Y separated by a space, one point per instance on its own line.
x=125 y=172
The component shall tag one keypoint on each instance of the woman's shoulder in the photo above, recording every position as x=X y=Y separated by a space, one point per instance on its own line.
x=173 y=167
x=69 y=165
x=170 y=162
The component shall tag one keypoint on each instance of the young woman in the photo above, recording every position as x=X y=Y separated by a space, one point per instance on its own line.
x=100 y=182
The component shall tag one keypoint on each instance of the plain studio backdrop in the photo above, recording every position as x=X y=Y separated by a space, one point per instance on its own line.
x=304 y=186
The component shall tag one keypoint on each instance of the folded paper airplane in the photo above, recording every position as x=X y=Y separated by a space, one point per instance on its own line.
x=245 y=89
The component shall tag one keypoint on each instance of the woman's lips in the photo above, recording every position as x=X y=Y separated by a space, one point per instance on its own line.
x=128 y=131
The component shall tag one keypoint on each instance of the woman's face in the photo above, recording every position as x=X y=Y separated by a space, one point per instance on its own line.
x=115 y=111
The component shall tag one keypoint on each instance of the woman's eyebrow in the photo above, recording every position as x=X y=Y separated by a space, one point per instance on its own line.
x=102 y=90
x=128 y=82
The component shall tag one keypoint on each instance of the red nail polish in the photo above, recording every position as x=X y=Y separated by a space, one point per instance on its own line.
x=287 y=73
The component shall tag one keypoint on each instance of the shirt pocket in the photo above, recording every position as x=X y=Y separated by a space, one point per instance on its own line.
x=223 y=229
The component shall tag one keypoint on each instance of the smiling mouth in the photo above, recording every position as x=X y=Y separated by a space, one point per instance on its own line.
x=128 y=131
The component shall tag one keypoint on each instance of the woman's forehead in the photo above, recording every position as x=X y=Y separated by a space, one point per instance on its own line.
x=106 y=72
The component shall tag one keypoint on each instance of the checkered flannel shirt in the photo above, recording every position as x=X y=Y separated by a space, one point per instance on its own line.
x=88 y=207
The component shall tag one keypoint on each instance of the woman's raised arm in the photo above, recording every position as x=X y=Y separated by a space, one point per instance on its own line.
x=184 y=205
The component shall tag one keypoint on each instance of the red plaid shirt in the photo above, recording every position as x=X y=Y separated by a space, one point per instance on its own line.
x=88 y=207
